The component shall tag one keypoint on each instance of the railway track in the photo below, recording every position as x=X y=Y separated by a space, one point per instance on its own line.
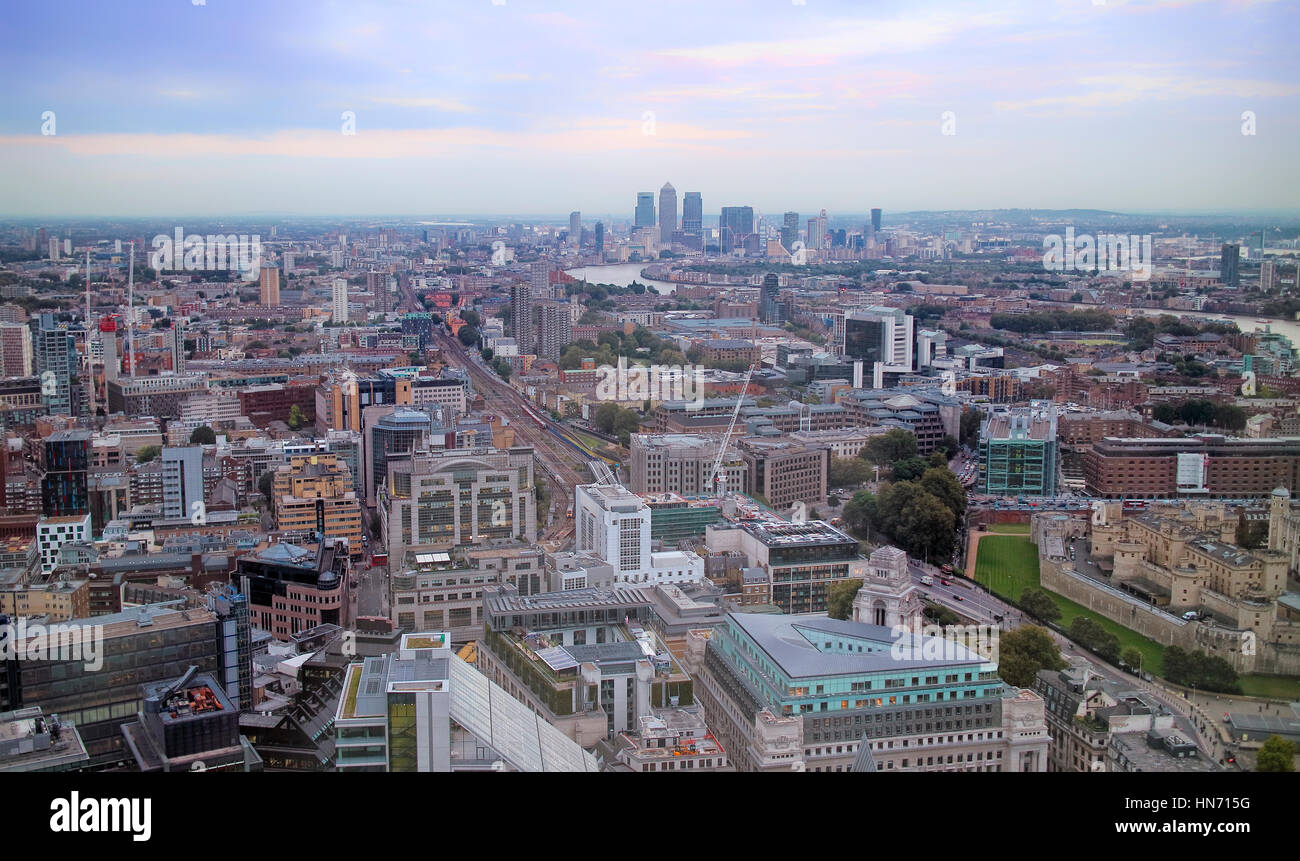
x=556 y=462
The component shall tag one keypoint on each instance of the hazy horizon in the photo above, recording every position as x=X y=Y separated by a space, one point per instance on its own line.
x=235 y=110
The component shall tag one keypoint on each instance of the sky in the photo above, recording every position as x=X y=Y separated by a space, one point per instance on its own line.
x=167 y=107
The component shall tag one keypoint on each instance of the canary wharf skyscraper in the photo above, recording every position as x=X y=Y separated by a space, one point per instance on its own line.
x=693 y=213
x=645 y=209
x=667 y=212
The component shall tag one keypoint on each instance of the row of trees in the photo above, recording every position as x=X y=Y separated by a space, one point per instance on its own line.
x=1051 y=321
x=1201 y=413
x=1199 y=670
x=613 y=419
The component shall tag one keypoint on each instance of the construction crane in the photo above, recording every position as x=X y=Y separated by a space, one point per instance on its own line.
x=717 y=474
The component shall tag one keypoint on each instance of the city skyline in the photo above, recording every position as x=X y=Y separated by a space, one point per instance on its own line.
x=1134 y=107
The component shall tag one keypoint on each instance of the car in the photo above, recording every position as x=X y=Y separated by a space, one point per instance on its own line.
x=944 y=581
x=958 y=597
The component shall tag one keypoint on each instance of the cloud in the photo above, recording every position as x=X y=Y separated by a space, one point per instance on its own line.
x=447 y=105
x=842 y=40
x=1112 y=90
x=593 y=135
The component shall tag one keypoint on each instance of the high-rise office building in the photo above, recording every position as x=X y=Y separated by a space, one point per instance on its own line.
x=15 y=350
x=313 y=494
x=693 y=213
x=1267 y=276
x=521 y=316
x=790 y=230
x=645 y=209
x=768 y=309
x=734 y=224
x=1228 y=265
x=553 y=329
x=456 y=497
x=575 y=229
x=395 y=435
x=153 y=642
x=817 y=231
x=56 y=361
x=235 y=673
x=812 y=694
x=182 y=478
x=882 y=338
x=108 y=338
x=1017 y=453
x=600 y=237
x=875 y=219
x=65 y=462
x=186 y=723
x=667 y=213
x=269 y=282
x=176 y=343
x=339 y=307
x=292 y=589
x=613 y=524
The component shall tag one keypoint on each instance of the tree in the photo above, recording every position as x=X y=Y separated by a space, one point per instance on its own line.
x=265 y=485
x=970 y=426
x=1250 y=535
x=860 y=512
x=468 y=335
x=1025 y=651
x=1037 y=603
x=926 y=527
x=909 y=469
x=1090 y=634
x=839 y=602
x=605 y=416
x=1197 y=669
x=1276 y=754
x=1131 y=658
x=295 y=417
x=949 y=445
x=894 y=445
x=203 y=435
x=848 y=471
x=147 y=453
x=941 y=482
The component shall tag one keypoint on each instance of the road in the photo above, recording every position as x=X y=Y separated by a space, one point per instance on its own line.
x=964 y=597
x=562 y=469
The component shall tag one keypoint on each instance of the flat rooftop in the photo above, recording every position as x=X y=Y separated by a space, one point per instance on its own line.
x=779 y=533
x=797 y=644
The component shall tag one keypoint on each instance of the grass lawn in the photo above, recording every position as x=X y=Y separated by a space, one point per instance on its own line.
x=1282 y=687
x=1008 y=564
x=1010 y=528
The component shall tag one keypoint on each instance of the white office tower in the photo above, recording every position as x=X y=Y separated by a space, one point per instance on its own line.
x=67 y=248
x=614 y=524
x=339 y=311
x=288 y=263
x=54 y=248
x=182 y=481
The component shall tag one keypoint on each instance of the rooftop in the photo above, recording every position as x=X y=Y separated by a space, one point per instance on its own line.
x=797 y=645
